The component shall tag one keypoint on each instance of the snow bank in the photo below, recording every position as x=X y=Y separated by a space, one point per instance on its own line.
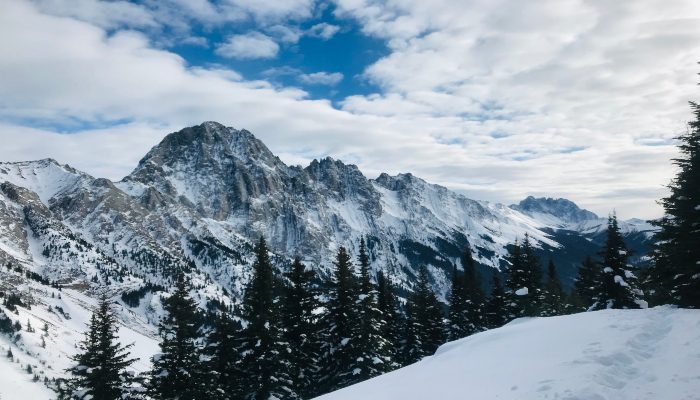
x=609 y=354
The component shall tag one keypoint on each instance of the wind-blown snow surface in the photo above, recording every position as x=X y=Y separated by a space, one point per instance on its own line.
x=610 y=354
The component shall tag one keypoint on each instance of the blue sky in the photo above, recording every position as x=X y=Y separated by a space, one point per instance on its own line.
x=496 y=99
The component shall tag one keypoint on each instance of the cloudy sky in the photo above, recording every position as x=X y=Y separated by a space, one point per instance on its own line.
x=497 y=99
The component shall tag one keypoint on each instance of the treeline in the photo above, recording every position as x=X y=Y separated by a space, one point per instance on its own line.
x=290 y=339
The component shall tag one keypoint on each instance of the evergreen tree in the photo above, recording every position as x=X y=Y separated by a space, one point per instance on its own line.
x=457 y=313
x=618 y=284
x=676 y=272
x=223 y=380
x=265 y=361
x=524 y=281
x=424 y=326
x=100 y=367
x=496 y=311
x=372 y=357
x=302 y=330
x=339 y=367
x=473 y=295
x=177 y=370
x=393 y=319
x=586 y=285
x=554 y=298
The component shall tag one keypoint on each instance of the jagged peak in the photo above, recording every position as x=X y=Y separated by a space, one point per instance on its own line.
x=210 y=139
x=559 y=207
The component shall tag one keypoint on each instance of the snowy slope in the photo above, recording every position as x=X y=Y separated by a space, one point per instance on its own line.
x=604 y=355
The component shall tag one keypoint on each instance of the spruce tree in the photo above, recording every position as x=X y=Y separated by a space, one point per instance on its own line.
x=553 y=298
x=524 y=281
x=177 y=370
x=223 y=379
x=302 y=330
x=339 y=364
x=100 y=370
x=496 y=308
x=473 y=295
x=393 y=318
x=372 y=349
x=676 y=272
x=587 y=281
x=457 y=313
x=424 y=326
x=618 y=284
x=265 y=363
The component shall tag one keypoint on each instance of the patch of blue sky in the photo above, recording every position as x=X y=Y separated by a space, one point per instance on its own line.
x=347 y=52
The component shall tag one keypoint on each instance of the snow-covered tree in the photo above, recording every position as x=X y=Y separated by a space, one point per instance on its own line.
x=473 y=294
x=586 y=285
x=338 y=359
x=265 y=354
x=178 y=371
x=302 y=330
x=372 y=349
x=424 y=331
x=393 y=318
x=553 y=297
x=524 y=280
x=495 y=309
x=100 y=369
x=676 y=272
x=617 y=286
x=223 y=379
x=456 y=326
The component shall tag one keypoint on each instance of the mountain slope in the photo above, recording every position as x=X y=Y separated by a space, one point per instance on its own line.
x=613 y=354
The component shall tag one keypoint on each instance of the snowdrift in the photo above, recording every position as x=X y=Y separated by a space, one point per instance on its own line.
x=613 y=354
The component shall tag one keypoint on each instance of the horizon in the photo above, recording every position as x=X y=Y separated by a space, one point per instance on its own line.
x=496 y=102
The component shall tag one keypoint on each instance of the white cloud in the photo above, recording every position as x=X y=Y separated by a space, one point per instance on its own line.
x=497 y=99
x=107 y=14
x=321 y=78
x=323 y=30
x=248 y=46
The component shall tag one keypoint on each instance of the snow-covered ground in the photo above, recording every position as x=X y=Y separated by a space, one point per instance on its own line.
x=613 y=354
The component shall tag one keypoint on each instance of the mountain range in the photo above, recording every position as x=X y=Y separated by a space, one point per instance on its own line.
x=201 y=197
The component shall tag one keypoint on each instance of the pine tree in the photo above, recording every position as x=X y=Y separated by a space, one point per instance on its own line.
x=302 y=330
x=339 y=368
x=177 y=370
x=677 y=254
x=265 y=354
x=457 y=313
x=393 y=318
x=496 y=306
x=554 y=298
x=618 y=284
x=372 y=357
x=473 y=295
x=223 y=379
x=100 y=370
x=424 y=326
x=586 y=285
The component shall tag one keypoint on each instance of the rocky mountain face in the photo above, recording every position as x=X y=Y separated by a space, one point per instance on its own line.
x=200 y=198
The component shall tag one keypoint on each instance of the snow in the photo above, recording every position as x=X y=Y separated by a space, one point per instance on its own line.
x=611 y=354
x=522 y=292
x=16 y=383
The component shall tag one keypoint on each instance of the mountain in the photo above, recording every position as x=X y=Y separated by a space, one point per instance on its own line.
x=611 y=354
x=198 y=200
